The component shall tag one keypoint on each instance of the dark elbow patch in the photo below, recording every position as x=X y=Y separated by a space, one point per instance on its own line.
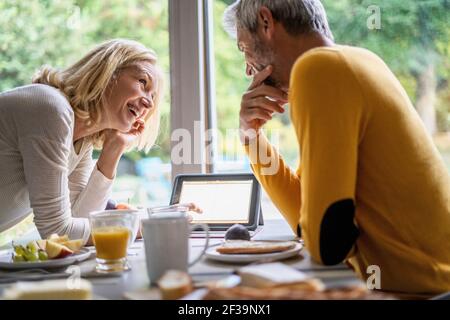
x=338 y=232
x=299 y=231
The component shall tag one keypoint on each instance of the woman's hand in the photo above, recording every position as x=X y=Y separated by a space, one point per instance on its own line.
x=115 y=145
x=192 y=208
x=123 y=139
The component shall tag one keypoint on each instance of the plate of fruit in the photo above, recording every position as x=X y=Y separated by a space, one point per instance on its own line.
x=56 y=251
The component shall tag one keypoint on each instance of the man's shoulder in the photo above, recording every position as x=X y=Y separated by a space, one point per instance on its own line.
x=314 y=67
x=317 y=63
x=319 y=55
x=323 y=74
x=330 y=59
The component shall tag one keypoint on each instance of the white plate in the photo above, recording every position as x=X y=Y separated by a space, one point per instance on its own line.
x=7 y=263
x=254 y=257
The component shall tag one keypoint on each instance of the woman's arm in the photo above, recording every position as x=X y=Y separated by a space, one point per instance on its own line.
x=45 y=155
x=114 y=146
x=89 y=188
x=112 y=151
x=91 y=183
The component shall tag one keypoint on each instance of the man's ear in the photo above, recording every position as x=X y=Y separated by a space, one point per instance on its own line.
x=266 y=23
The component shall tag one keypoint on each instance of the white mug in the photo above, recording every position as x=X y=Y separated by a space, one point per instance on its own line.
x=166 y=242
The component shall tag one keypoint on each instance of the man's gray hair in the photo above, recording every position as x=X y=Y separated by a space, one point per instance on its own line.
x=297 y=16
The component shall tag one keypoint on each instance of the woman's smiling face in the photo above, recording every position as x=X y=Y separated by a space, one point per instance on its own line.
x=129 y=98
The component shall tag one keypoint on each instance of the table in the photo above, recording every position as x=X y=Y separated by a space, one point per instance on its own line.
x=114 y=287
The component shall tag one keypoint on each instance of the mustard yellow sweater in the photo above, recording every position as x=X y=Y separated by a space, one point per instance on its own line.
x=371 y=188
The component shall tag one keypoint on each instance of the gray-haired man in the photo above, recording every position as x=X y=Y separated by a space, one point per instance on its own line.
x=371 y=188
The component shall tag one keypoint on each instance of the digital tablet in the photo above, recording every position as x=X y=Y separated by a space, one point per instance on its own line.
x=225 y=199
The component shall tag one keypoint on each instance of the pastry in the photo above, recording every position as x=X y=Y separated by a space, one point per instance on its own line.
x=249 y=247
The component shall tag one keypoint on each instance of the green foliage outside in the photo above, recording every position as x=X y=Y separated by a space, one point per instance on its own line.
x=59 y=32
x=413 y=37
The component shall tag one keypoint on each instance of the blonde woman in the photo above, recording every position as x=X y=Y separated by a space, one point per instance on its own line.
x=108 y=100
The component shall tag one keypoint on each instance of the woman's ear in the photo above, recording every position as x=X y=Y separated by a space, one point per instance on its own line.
x=266 y=22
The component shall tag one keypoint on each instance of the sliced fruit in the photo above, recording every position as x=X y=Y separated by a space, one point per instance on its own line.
x=74 y=245
x=56 y=250
x=42 y=244
x=58 y=239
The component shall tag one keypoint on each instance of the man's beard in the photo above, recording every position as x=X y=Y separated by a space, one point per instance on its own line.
x=266 y=56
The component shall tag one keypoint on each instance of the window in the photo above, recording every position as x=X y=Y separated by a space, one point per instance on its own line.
x=419 y=56
x=411 y=37
x=231 y=84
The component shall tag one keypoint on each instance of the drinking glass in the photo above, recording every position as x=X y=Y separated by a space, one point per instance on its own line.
x=112 y=231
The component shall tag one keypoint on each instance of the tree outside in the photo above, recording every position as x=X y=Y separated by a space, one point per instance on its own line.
x=58 y=33
x=413 y=38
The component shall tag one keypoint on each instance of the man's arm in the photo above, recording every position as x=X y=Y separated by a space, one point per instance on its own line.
x=327 y=113
x=278 y=180
x=281 y=184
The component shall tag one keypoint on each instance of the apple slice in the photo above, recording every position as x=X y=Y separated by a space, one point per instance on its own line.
x=74 y=245
x=58 y=239
x=42 y=244
x=53 y=236
x=56 y=250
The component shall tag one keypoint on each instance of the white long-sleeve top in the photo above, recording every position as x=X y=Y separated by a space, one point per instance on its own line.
x=40 y=171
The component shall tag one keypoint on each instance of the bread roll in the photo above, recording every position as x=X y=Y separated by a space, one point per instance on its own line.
x=174 y=285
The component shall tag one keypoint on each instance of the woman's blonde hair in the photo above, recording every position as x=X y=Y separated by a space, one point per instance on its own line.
x=85 y=83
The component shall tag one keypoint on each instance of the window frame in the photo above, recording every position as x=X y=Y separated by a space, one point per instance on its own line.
x=192 y=82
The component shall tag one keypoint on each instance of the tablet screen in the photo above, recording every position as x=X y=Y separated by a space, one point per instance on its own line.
x=221 y=201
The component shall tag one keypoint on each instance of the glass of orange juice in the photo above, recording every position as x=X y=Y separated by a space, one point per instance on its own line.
x=111 y=233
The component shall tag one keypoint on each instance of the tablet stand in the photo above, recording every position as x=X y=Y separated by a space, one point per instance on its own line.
x=261 y=219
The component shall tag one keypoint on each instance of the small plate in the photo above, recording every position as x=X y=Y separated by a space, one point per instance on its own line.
x=254 y=257
x=7 y=263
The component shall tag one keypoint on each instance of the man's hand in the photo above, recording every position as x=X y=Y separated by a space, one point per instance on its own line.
x=258 y=105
